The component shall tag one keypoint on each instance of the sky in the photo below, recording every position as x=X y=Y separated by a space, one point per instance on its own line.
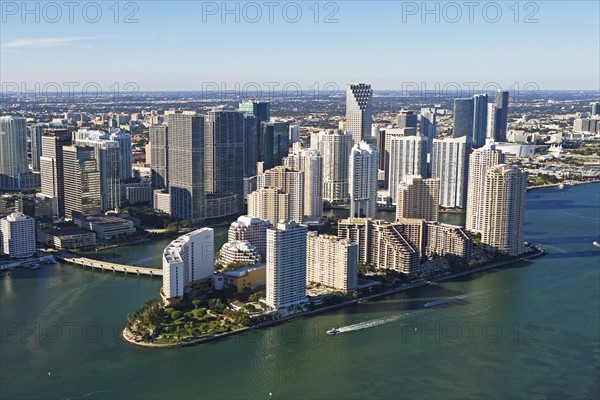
x=196 y=45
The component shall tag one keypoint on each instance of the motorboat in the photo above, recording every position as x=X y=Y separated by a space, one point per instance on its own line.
x=333 y=331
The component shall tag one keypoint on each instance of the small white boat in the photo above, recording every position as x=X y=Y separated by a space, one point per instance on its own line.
x=561 y=186
x=596 y=243
x=333 y=331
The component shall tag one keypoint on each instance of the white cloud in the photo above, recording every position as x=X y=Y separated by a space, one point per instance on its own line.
x=49 y=41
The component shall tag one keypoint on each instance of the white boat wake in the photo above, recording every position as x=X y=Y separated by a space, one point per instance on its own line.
x=375 y=322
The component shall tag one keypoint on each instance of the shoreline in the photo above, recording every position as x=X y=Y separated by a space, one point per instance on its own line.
x=567 y=183
x=128 y=339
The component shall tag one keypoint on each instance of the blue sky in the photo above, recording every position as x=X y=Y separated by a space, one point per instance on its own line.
x=185 y=45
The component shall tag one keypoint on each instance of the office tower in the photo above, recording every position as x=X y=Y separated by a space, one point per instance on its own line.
x=427 y=125
x=362 y=180
x=492 y=116
x=186 y=166
x=503 y=211
x=250 y=145
x=294 y=134
x=375 y=128
x=262 y=113
x=595 y=108
x=286 y=265
x=359 y=111
x=418 y=198
x=224 y=153
x=408 y=156
x=275 y=142
x=81 y=181
x=334 y=147
x=187 y=259
x=381 y=244
x=501 y=119
x=35 y=137
x=450 y=165
x=406 y=119
x=270 y=204
x=52 y=167
x=480 y=109
x=290 y=182
x=463 y=118
x=332 y=262
x=383 y=155
x=124 y=140
x=250 y=229
x=17 y=232
x=309 y=162
x=107 y=156
x=13 y=152
x=159 y=149
x=479 y=162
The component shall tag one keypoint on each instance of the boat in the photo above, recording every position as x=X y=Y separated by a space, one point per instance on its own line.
x=561 y=186
x=596 y=243
x=333 y=331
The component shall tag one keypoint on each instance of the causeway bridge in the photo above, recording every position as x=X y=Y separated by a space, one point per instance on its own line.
x=107 y=266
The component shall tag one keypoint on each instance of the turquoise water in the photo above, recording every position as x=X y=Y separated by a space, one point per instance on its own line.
x=527 y=331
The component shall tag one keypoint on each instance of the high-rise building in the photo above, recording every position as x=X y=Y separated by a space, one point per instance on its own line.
x=359 y=111
x=286 y=265
x=362 y=180
x=159 y=148
x=250 y=229
x=501 y=119
x=290 y=182
x=186 y=166
x=450 y=165
x=310 y=162
x=224 y=153
x=595 y=108
x=36 y=132
x=480 y=110
x=408 y=156
x=332 y=262
x=262 y=113
x=107 y=156
x=294 y=135
x=250 y=146
x=275 y=143
x=13 y=152
x=492 y=116
x=406 y=119
x=479 y=162
x=52 y=167
x=418 y=198
x=17 y=234
x=335 y=148
x=270 y=204
x=82 y=188
x=463 y=118
x=427 y=126
x=503 y=212
x=124 y=140
x=187 y=259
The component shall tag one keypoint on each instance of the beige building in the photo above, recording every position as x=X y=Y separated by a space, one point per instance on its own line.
x=311 y=163
x=290 y=182
x=503 y=211
x=270 y=204
x=332 y=262
x=418 y=198
x=81 y=181
x=239 y=251
x=252 y=230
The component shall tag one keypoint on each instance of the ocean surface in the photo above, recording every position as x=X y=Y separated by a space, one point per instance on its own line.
x=529 y=331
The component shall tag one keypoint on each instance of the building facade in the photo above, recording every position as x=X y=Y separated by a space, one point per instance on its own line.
x=418 y=198
x=359 y=111
x=407 y=157
x=18 y=235
x=334 y=147
x=450 y=163
x=332 y=262
x=362 y=180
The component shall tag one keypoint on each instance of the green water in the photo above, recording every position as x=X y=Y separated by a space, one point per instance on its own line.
x=528 y=331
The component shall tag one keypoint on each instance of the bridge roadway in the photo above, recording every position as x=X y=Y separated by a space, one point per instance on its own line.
x=107 y=266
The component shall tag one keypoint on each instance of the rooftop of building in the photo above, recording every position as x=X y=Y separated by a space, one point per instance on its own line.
x=243 y=271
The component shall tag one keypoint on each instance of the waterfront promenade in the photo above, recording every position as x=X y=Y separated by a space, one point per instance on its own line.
x=107 y=266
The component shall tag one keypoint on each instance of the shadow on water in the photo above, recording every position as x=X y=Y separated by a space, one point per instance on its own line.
x=554 y=205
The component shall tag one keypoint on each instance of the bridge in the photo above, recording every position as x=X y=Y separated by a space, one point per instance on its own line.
x=107 y=266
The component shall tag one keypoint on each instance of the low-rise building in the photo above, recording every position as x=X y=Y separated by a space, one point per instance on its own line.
x=162 y=201
x=66 y=238
x=105 y=227
x=239 y=251
x=249 y=277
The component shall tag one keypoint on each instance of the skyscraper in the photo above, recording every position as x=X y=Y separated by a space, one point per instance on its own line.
x=290 y=182
x=310 y=162
x=418 y=198
x=480 y=110
x=82 y=188
x=332 y=262
x=262 y=113
x=335 y=148
x=595 y=108
x=427 y=126
x=450 y=164
x=269 y=204
x=362 y=180
x=186 y=166
x=406 y=119
x=250 y=146
x=501 y=120
x=463 y=118
x=286 y=265
x=275 y=144
x=359 y=111
x=13 y=152
x=479 y=162
x=124 y=140
x=408 y=156
x=52 y=167
x=492 y=116
x=503 y=212
x=159 y=148
x=224 y=153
